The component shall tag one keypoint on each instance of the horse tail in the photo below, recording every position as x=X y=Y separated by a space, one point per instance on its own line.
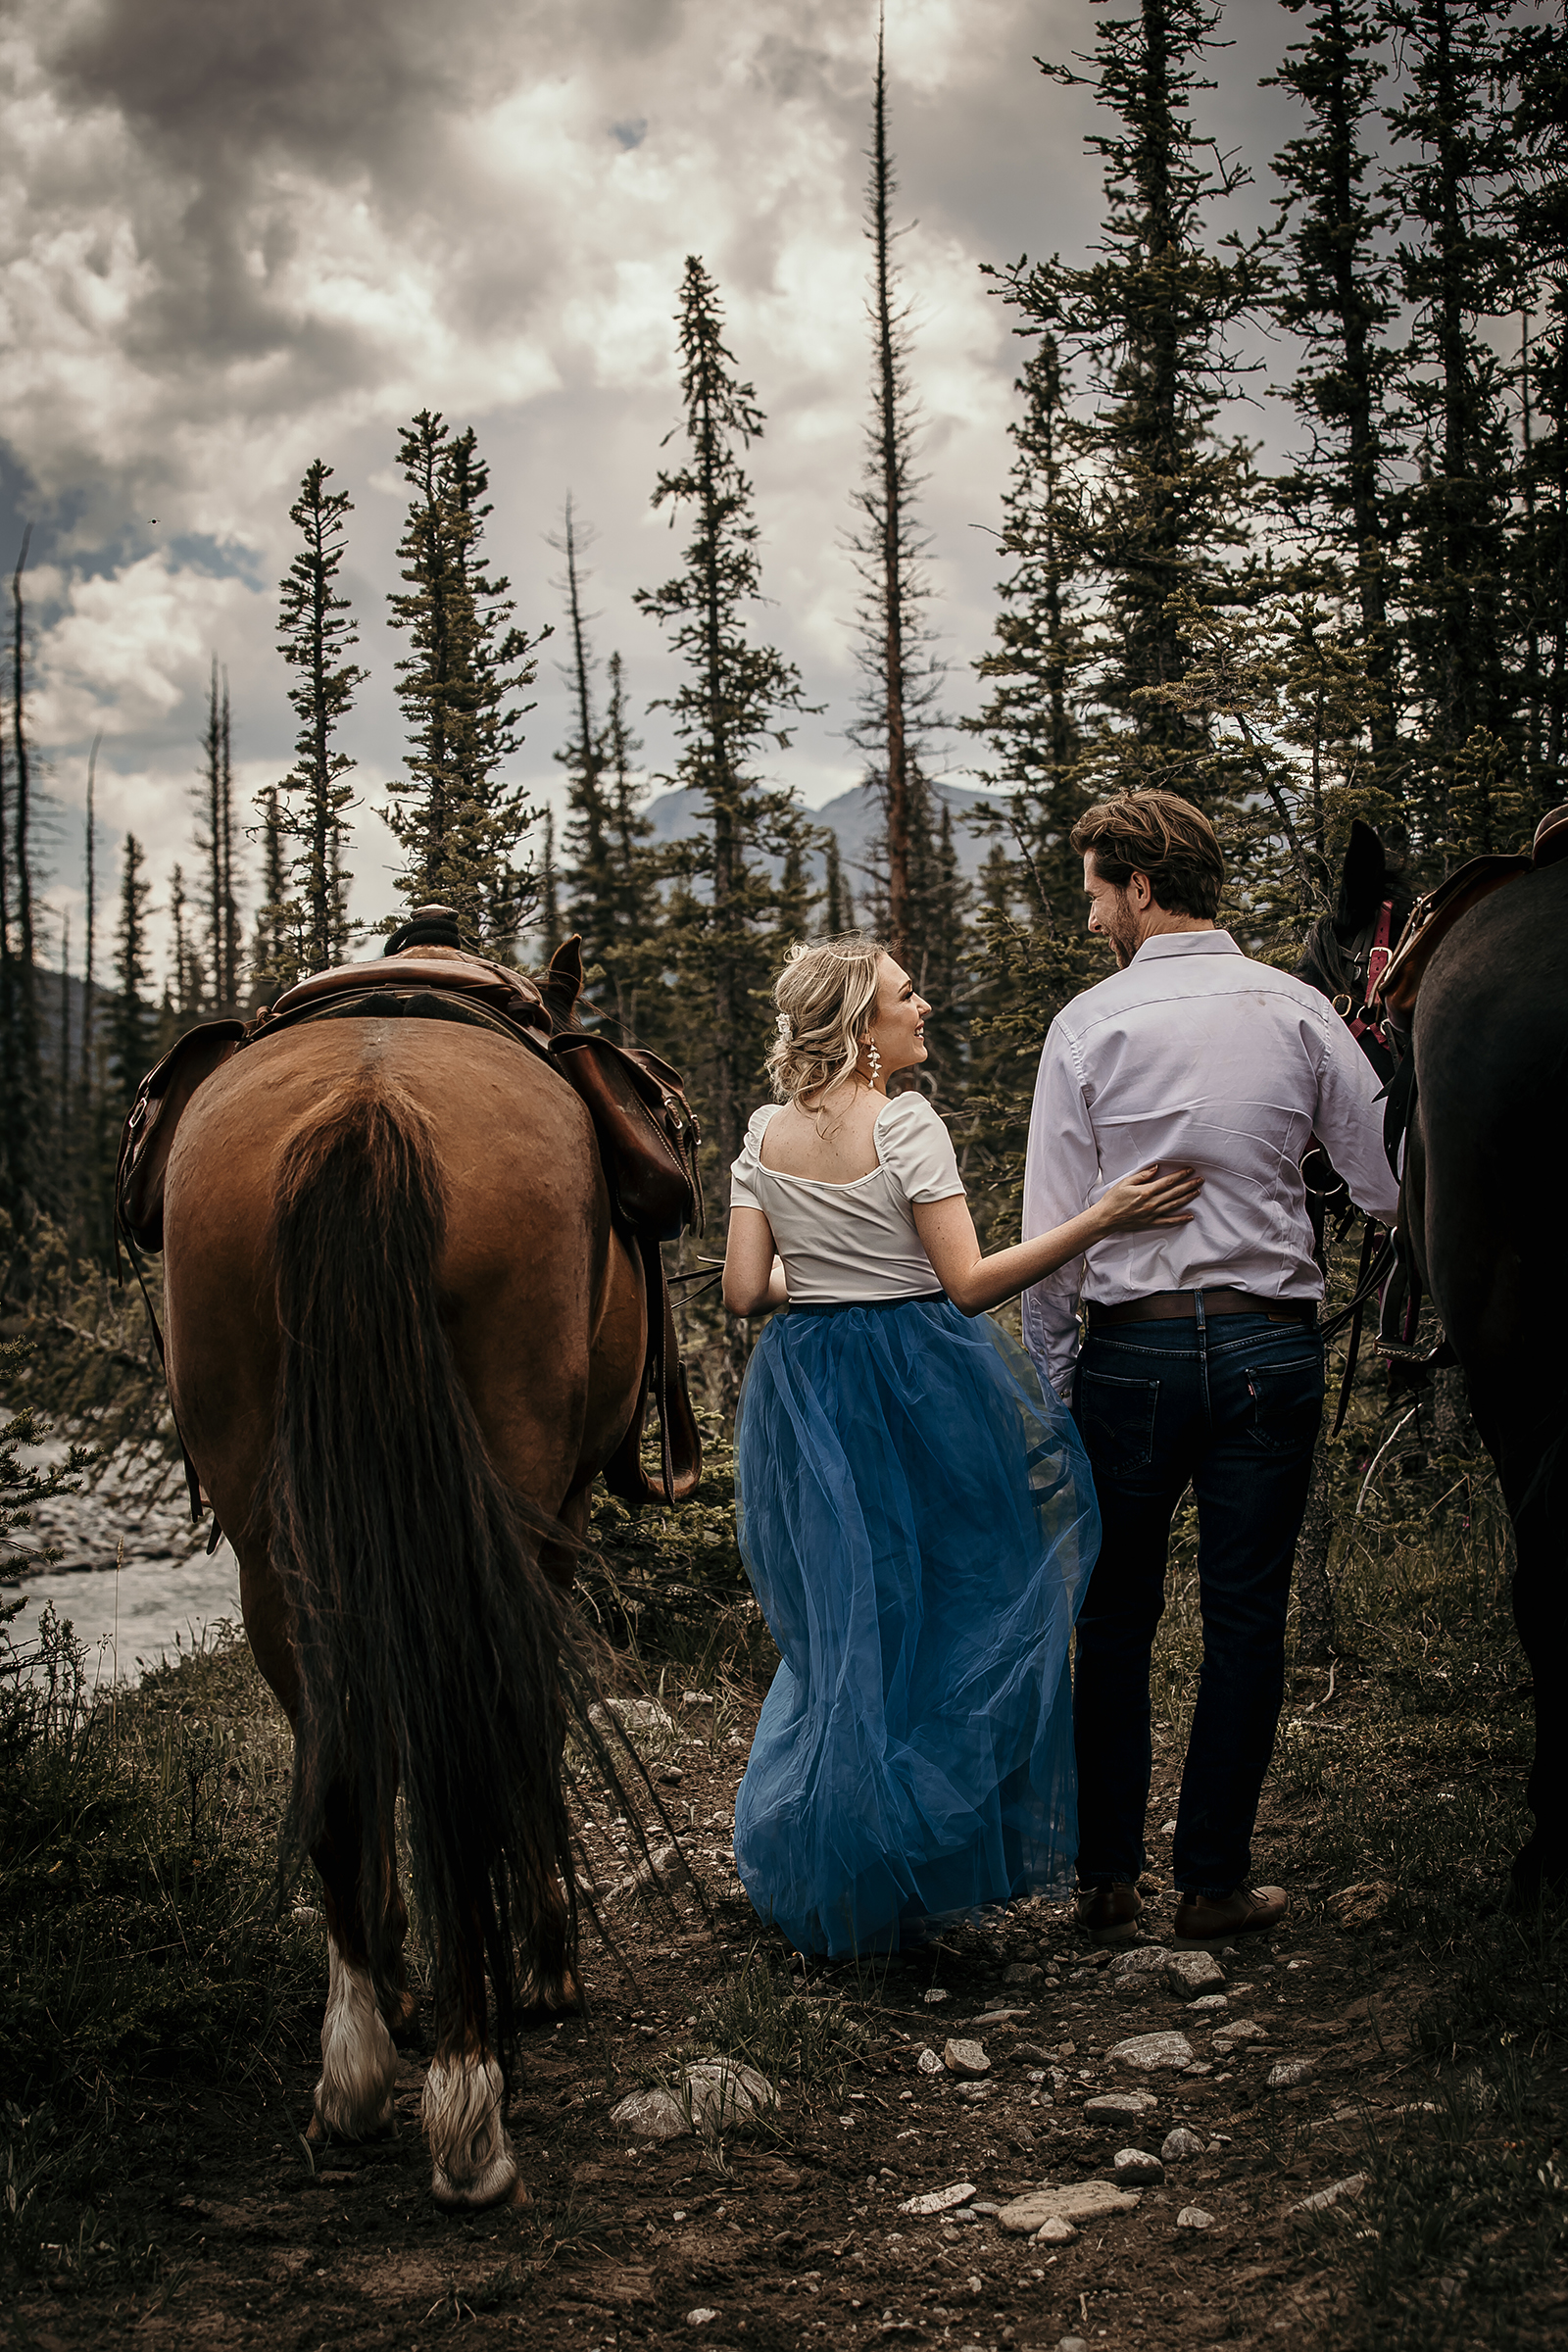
x=432 y=1651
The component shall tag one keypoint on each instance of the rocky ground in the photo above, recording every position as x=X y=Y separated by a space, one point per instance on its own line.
x=1255 y=2149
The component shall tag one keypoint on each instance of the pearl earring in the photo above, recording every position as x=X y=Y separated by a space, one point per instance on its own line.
x=875 y=1060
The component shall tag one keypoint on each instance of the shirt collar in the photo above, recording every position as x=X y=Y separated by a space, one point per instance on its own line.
x=1186 y=943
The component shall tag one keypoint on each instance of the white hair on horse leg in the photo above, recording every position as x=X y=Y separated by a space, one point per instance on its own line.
x=470 y=2155
x=359 y=2064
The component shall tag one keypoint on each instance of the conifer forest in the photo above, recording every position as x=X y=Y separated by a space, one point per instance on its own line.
x=1283 y=528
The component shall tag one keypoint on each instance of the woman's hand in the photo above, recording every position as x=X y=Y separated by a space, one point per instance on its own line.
x=1148 y=1198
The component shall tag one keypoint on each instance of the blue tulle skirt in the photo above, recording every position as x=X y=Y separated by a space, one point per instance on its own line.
x=918 y=1521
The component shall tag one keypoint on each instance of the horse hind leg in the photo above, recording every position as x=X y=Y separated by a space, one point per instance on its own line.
x=359 y=2063
x=472 y=2162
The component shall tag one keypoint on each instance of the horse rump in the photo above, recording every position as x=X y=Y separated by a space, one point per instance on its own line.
x=431 y=1649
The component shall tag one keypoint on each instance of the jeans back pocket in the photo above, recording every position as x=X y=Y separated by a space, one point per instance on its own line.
x=1117 y=1418
x=1286 y=1401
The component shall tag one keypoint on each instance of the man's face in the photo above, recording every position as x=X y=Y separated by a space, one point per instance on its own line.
x=1112 y=912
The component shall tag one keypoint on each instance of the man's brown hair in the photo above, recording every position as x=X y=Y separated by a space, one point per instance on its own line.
x=1162 y=836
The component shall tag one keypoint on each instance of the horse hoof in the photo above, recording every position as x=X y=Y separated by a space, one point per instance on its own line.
x=471 y=2159
x=359 y=2065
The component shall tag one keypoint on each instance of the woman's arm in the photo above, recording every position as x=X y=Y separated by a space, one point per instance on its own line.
x=754 y=1277
x=1137 y=1204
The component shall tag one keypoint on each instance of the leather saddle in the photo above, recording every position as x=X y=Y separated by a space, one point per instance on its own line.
x=647 y=1134
x=1433 y=917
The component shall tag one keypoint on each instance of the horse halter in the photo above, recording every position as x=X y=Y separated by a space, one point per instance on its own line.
x=1366 y=1024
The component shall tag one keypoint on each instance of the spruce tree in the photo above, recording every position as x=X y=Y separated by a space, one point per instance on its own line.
x=131 y=1027
x=1457 y=268
x=458 y=820
x=901 y=676
x=315 y=629
x=1336 y=297
x=733 y=699
x=1147 y=327
x=588 y=840
x=214 y=842
x=24 y=1161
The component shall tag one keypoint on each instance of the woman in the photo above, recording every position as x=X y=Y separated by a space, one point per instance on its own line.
x=916 y=1516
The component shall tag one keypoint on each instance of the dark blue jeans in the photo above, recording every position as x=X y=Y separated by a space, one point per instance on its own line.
x=1231 y=1407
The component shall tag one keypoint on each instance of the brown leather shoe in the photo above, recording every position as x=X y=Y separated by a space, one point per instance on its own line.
x=1202 y=1925
x=1109 y=1913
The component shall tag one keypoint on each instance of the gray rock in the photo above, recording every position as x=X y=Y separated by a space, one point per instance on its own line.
x=974 y=2090
x=1071 y=2343
x=1338 y=2192
x=1054 y=2232
x=634 y=1715
x=707 y=2097
x=1181 y=2142
x=699 y=2317
x=1191 y=1973
x=1209 y=2001
x=1137 y=2168
x=928 y=2062
x=936 y=1992
x=1149 y=2053
x=1193 y=2216
x=1021 y=1972
x=1145 y=1960
x=1236 y=2036
x=1114 y=2106
x=1029 y=2053
x=965 y=2058
x=940 y=2200
x=1288 y=2073
x=1084 y=2201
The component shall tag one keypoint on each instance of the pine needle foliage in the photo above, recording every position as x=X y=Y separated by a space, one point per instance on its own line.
x=734 y=697
x=458 y=821
x=311 y=806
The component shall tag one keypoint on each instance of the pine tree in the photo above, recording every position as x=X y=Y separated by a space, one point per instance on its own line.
x=589 y=842
x=186 y=992
x=25 y=1164
x=1338 y=298
x=130 y=1029
x=838 y=906
x=214 y=842
x=1166 y=502
x=901 y=676
x=1457 y=268
x=733 y=698
x=316 y=630
x=458 y=821
x=549 y=930
x=277 y=942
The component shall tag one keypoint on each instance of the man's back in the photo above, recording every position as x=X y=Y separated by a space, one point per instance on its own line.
x=1194 y=1056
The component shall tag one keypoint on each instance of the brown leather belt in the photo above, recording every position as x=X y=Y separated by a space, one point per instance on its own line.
x=1170 y=1306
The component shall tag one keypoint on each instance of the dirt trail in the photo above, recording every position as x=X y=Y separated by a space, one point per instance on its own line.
x=796 y=2238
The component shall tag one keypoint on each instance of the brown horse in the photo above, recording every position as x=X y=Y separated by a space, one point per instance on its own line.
x=404 y=1335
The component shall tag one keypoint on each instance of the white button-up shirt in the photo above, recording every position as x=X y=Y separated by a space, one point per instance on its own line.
x=1195 y=1057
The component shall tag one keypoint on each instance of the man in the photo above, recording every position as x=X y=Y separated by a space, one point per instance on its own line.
x=1202 y=1362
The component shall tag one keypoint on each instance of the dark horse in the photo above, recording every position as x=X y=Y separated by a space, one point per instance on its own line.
x=404 y=1334
x=1481 y=1216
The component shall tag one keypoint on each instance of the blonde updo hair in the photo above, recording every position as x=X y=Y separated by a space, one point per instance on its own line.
x=826 y=999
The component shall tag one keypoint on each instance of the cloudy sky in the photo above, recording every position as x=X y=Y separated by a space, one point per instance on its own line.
x=240 y=236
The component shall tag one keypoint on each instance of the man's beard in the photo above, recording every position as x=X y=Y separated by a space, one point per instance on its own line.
x=1121 y=933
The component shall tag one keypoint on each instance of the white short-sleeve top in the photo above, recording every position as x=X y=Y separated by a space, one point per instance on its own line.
x=842 y=1243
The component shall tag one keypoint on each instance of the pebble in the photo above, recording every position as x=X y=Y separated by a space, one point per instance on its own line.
x=1288 y=2073
x=940 y=2200
x=1054 y=2232
x=967 y=2058
x=634 y=1715
x=1135 y=2168
x=1193 y=2216
x=1029 y=2053
x=1232 y=2037
x=1149 y=2052
x=1084 y=2201
x=1022 y=1972
x=1212 y=2001
x=1071 y=2343
x=971 y=2092
x=928 y=2062
x=1338 y=2192
x=1192 y=1972
x=936 y=1992
x=699 y=2317
x=712 y=2092
x=1181 y=2142
x=1147 y=1960
x=1111 y=2105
